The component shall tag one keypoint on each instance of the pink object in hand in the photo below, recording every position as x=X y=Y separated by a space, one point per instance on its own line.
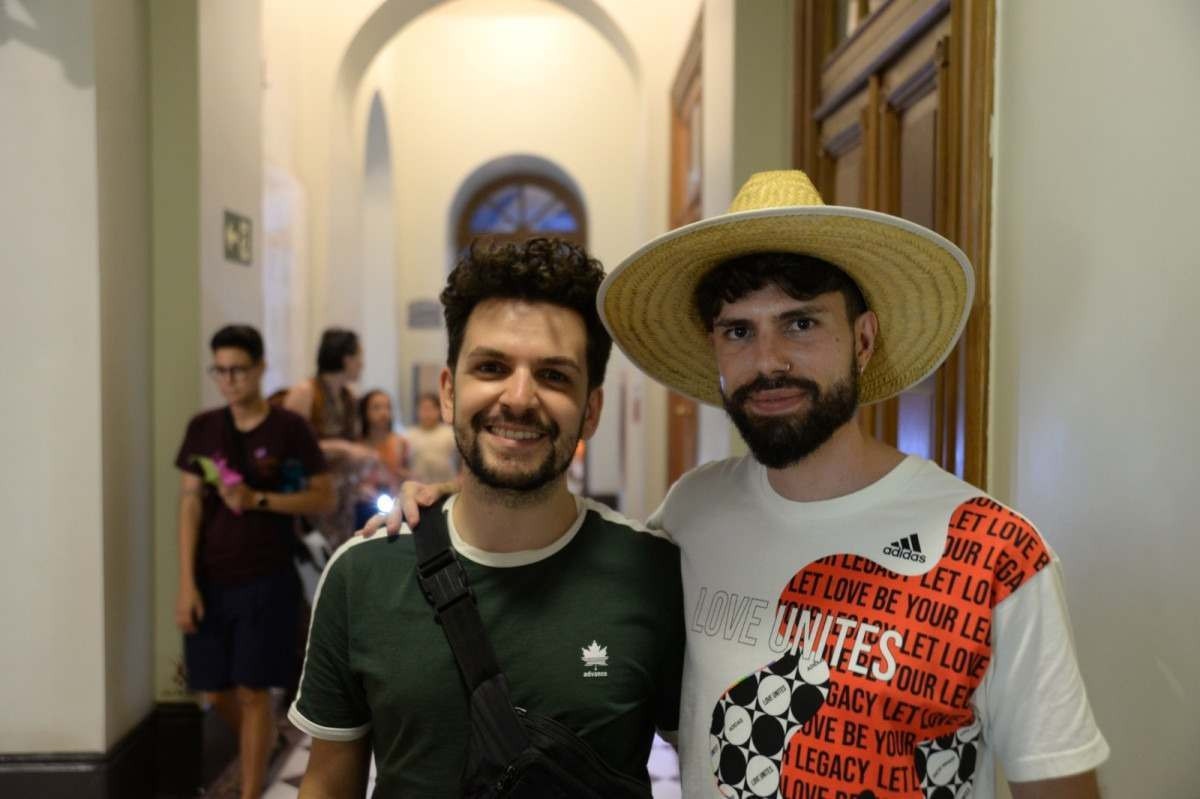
x=228 y=476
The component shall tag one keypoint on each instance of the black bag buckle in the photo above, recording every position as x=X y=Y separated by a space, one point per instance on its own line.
x=443 y=580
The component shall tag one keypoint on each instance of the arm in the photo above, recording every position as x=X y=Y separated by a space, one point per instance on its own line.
x=337 y=769
x=189 y=609
x=339 y=449
x=1078 y=786
x=331 y=704
x=1033 y=696
x=672 y=640
x=317 y=499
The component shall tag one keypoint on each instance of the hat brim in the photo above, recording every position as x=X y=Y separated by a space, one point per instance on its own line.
x=919 y=284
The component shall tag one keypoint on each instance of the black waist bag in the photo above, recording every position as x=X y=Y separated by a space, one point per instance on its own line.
x=510 y=753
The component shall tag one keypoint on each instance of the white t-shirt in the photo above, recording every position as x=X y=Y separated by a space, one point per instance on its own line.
x=893 y=643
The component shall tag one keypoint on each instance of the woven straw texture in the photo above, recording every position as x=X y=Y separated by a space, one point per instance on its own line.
x=920 y=285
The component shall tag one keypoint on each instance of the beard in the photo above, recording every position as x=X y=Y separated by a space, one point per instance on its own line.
x=781 y=441
x=520 y=485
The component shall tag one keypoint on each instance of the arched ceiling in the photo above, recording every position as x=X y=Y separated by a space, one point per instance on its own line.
x=392 y=16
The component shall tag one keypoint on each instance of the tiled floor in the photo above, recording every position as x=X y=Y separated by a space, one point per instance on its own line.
x=287 y=769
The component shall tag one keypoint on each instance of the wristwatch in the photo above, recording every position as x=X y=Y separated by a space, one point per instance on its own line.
x=260 y=500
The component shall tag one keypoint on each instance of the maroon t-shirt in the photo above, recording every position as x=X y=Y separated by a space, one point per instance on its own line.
x=279 y=455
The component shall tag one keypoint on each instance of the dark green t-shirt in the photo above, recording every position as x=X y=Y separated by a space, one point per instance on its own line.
x=589 y=632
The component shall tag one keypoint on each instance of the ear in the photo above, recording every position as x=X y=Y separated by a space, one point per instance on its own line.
x=866 y=331
x=591 y=413
x=446 y=394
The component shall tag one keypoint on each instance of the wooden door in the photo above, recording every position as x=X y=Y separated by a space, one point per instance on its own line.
x=893 y=103
x=685 y=207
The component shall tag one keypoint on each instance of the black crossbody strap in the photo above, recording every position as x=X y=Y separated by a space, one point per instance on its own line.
x=444 y=583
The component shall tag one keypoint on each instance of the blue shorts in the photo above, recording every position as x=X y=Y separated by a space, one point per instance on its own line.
x=248 y=635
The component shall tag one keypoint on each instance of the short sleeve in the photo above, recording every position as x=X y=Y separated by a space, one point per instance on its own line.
x=190 y=446
x=655 y=522
x=1033 y=698
x=658 y=520
x=671 y=673
x=330 y=703
x=305 y=447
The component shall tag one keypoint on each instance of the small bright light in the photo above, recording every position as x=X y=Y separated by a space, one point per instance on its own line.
x=385 y=503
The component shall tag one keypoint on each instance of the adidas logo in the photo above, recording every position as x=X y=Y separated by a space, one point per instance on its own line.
x=907 y=548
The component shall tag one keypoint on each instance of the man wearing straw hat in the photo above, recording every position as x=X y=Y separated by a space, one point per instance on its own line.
x=860 y=623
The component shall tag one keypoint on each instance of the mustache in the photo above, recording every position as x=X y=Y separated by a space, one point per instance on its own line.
x=764 y=383
x=528 y=419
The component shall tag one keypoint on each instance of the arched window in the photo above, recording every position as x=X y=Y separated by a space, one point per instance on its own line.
x=522 y=206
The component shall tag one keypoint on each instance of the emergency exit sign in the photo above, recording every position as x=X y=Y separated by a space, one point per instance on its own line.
x=238 y=235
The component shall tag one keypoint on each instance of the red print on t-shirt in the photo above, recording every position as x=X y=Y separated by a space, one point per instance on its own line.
x=872 y=699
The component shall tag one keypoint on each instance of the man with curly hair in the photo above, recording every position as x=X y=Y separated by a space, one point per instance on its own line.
x=554 y=575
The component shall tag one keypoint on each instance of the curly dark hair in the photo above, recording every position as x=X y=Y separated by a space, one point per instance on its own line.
x=542 y=270
x=801 y=277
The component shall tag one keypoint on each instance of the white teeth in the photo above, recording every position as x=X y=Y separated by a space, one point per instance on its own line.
x=516 y=435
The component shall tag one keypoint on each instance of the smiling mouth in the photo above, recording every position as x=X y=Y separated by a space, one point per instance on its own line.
x=513 y=433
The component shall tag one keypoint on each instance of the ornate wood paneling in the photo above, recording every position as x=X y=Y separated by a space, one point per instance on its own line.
x=897 y=119
x=683 y=417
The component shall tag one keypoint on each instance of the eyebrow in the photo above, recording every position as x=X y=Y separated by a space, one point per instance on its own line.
x=560 y=361
x=800 y=313
x=811 y=308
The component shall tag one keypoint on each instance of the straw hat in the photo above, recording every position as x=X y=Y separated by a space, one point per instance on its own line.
x=918 y=283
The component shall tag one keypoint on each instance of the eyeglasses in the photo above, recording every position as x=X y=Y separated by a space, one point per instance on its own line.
x=232 y=372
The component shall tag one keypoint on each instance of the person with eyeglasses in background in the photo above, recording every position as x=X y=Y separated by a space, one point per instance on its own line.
x=247 y=469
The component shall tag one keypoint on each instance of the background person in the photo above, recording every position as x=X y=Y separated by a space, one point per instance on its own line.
x=433 y=455
x=238 y=595
x=391 y=450
x=327 y=401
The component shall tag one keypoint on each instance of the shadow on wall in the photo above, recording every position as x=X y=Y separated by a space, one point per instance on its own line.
x=59 y=30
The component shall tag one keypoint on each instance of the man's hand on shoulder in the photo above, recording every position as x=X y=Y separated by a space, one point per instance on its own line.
x=413 y=497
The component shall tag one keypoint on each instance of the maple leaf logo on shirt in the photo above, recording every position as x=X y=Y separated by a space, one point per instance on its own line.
x=595 y=655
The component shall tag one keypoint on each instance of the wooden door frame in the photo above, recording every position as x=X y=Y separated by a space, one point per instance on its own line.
x=969 y=59
x=684 y=207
